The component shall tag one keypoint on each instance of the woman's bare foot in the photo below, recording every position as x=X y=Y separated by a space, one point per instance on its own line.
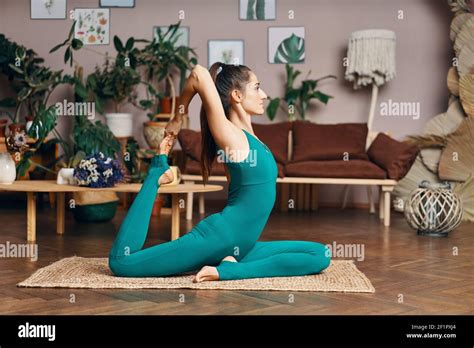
x=166 y=177
x=229 y=258
x=165 y=148
x=206 y=273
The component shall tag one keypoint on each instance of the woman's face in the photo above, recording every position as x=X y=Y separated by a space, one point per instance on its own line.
x=254 y=97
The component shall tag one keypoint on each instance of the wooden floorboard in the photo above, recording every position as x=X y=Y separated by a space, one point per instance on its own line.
x=411 y=274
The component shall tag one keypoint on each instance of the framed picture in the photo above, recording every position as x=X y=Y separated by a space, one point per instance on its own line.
x=117 y=3
x=182 y=34
x=259 y=10
x=48 y=9
x=92 y=26
x=286 y=45
x=225 y=51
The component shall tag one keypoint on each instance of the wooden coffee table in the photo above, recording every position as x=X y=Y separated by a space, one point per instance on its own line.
x=33 y=186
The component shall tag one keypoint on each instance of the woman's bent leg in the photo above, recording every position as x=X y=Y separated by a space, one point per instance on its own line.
x=278 y=259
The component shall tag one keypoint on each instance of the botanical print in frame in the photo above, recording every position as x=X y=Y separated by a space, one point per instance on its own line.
x=48 y=9
x=257 y=10
x=117 y=3
x=183 y=32
x=92 y=25
x=226 y=51
x=286 y=45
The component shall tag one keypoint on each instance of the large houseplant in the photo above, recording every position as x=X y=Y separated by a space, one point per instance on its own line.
x=297 y=99
x=158 y=61
x=32 y=84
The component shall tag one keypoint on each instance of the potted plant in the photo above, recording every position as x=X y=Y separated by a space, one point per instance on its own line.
x=32 y=84
x=115 y=81
x=158 y=60
x=297 y=99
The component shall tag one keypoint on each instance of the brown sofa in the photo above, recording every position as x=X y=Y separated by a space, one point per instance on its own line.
x=309 y=153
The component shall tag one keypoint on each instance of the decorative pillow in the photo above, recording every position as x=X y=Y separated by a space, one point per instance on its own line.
x=275 y=136
x=344 y=141
x=190 y=141
x=394 y=156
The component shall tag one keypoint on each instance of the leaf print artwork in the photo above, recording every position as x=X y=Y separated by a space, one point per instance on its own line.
x=93 y=28
x=290 y=50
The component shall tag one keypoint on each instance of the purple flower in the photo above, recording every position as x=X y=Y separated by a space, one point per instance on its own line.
x=98 y=171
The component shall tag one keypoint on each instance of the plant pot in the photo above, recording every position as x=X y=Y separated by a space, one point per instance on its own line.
x=165 y=105
x=3 y=127
x=154 y=133
x=120 y=124
x=94 y=206
x=66 y=177
x=95 y=212
x=7 y=168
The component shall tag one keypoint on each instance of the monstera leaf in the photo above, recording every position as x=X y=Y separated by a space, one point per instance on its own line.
x=290 y=50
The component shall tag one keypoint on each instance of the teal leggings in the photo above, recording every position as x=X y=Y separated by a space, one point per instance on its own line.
x=202 y=246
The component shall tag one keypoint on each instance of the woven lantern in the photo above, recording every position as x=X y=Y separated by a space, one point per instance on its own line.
x=433 y=209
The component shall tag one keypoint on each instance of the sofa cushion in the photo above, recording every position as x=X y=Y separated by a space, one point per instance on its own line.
x=194 y=167
x=275 y=136
x=335 y=169
x=190 y=141
x=394 y=156
x=328 y=141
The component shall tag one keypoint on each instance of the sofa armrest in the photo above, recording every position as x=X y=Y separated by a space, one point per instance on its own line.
x=394 y=156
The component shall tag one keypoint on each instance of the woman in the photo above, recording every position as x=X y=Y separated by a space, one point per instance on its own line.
x=224 y=245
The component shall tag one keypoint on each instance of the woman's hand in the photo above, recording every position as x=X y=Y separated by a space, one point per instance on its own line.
x=166 y=144
x=174 y=126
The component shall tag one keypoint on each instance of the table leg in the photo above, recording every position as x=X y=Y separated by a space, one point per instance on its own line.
x=31 y=217
x=60 y=205
x=174 y=216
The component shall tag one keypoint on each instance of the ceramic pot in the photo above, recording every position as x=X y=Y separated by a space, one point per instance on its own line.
x=120 y=124
x=7 y=168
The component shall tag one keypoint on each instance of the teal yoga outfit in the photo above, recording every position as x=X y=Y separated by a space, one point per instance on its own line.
x=232 y=232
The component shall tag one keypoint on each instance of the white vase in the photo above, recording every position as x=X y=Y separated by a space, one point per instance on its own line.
x=120 y=124
x=7 y=168
x=65 y=177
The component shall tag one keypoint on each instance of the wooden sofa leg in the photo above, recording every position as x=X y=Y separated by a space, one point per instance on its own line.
x=285 y=195
x=201 y=203
x=345 y=193
x=314 y=197
x=386 y=203
x=381 y=207
x=189 y=203
x=371 y=199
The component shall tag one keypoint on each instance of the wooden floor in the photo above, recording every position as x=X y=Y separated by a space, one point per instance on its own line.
x=411 y=274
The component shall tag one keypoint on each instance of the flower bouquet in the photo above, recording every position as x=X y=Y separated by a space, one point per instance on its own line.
x=98 y=171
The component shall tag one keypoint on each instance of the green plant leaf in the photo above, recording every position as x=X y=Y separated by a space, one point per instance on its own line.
x=129 y=44
x=77 y=44
x=67 y=55
x=290 y=50
x=118 y=44
x=273 y=107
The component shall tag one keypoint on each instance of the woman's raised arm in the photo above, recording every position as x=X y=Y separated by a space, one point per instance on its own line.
x=200 y=81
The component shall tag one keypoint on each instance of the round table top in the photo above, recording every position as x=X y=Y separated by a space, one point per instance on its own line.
x=52 y=186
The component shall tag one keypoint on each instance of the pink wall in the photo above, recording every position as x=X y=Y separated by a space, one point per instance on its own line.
x=423 y=51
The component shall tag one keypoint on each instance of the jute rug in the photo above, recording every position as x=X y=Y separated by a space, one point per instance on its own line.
x=94 y=273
